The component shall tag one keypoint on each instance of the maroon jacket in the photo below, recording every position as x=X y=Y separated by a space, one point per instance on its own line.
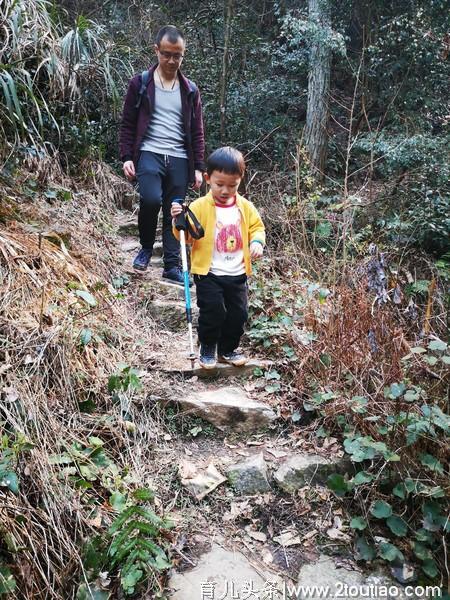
x=135 y=121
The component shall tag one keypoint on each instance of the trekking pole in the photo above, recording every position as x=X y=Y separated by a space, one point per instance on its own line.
x=181 y=226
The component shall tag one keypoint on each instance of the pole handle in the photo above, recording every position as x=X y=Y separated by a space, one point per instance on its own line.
x=180 y=220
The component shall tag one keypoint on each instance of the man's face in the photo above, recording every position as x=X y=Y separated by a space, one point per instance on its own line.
x=170 y=55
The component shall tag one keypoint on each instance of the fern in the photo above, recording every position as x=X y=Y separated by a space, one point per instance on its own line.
x=134 y=549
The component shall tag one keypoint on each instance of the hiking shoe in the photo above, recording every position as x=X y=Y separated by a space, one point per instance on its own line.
x=207 y=357
x=142 y=259
x=175 y=275
x=233 y=358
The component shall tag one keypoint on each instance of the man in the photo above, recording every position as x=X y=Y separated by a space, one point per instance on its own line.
x=162 y=144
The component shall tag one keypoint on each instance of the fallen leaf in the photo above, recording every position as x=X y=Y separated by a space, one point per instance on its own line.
x=242 y=453
x=267 y=557
x=277 y=453
x=259 y=536
x=96 y=521
x=200 y=484
x=309 y=535
x=288 y=538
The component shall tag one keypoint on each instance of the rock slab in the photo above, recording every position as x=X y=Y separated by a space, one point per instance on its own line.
x=249 y=477
x=221 y=574
x=228 y=407
x=344 y=583
x=303 y=469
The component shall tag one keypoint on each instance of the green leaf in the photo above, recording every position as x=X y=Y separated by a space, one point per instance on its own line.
x=364 y=550
x=389 y=552
x=7 y=582
x=338 y=484
x=359 y=404
x=381 y=509
x=118 y=501
x=397 y=525
x=429 y=567
x=358 y=523
x=362 y=477
x=399 y=491
x=273 y=387
x=427 y=460
x=195 y=430
x=445 y=360
x=85 y=336
x=143 y=494
x=421 y=551
x=11 y=481
x=87 y=297
x=396 y=390
x=438 y=345
x=89 y=591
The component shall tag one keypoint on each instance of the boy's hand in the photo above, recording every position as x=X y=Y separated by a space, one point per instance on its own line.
x=256 y=250
x=175 y=209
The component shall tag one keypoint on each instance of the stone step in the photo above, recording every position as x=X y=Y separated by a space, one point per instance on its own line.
x=132 y=244
x=129 y=226
x=181 y=366
x=170 y=313
x=227 y=408
x=220 y=572
x=299 y=470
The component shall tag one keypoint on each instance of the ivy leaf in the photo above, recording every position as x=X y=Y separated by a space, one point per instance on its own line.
x=338 y=484
x=389 y=552
x=421 y=551
x=396 y=390
x=358 y=523
x=363 y=550
x=11 y=481
x=430 y=461
x=118 y=501
x=438 y=345
x=362 y=477
x=85 y=336
x=87 y=297
x=397 y=525
x=381 y=509
x=429 y=567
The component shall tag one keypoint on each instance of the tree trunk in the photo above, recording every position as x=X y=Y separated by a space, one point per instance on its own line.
x=316 y=136
x=224 y=77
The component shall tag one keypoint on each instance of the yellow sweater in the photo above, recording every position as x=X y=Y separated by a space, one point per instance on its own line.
x=252 y=229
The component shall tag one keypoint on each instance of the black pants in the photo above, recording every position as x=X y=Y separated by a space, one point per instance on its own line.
x=161 y=179
x=223 y=310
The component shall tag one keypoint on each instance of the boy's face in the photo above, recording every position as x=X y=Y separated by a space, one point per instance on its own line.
x=223 y=186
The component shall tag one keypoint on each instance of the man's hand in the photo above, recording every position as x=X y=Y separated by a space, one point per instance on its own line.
x=129 y=170
x=256 y=250
x=198 y=179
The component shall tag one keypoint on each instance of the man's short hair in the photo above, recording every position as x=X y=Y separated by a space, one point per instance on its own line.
x=172 y=33
x=226 y=160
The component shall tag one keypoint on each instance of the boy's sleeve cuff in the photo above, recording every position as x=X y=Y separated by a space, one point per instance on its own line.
x=259 y=242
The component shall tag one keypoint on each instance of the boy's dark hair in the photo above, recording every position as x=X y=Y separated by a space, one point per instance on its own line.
x=173 y=34
x=226 y=160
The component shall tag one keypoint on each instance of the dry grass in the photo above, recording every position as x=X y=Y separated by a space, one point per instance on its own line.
x=46 y=372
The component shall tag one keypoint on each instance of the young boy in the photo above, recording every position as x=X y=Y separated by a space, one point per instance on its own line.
x=221 y=260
